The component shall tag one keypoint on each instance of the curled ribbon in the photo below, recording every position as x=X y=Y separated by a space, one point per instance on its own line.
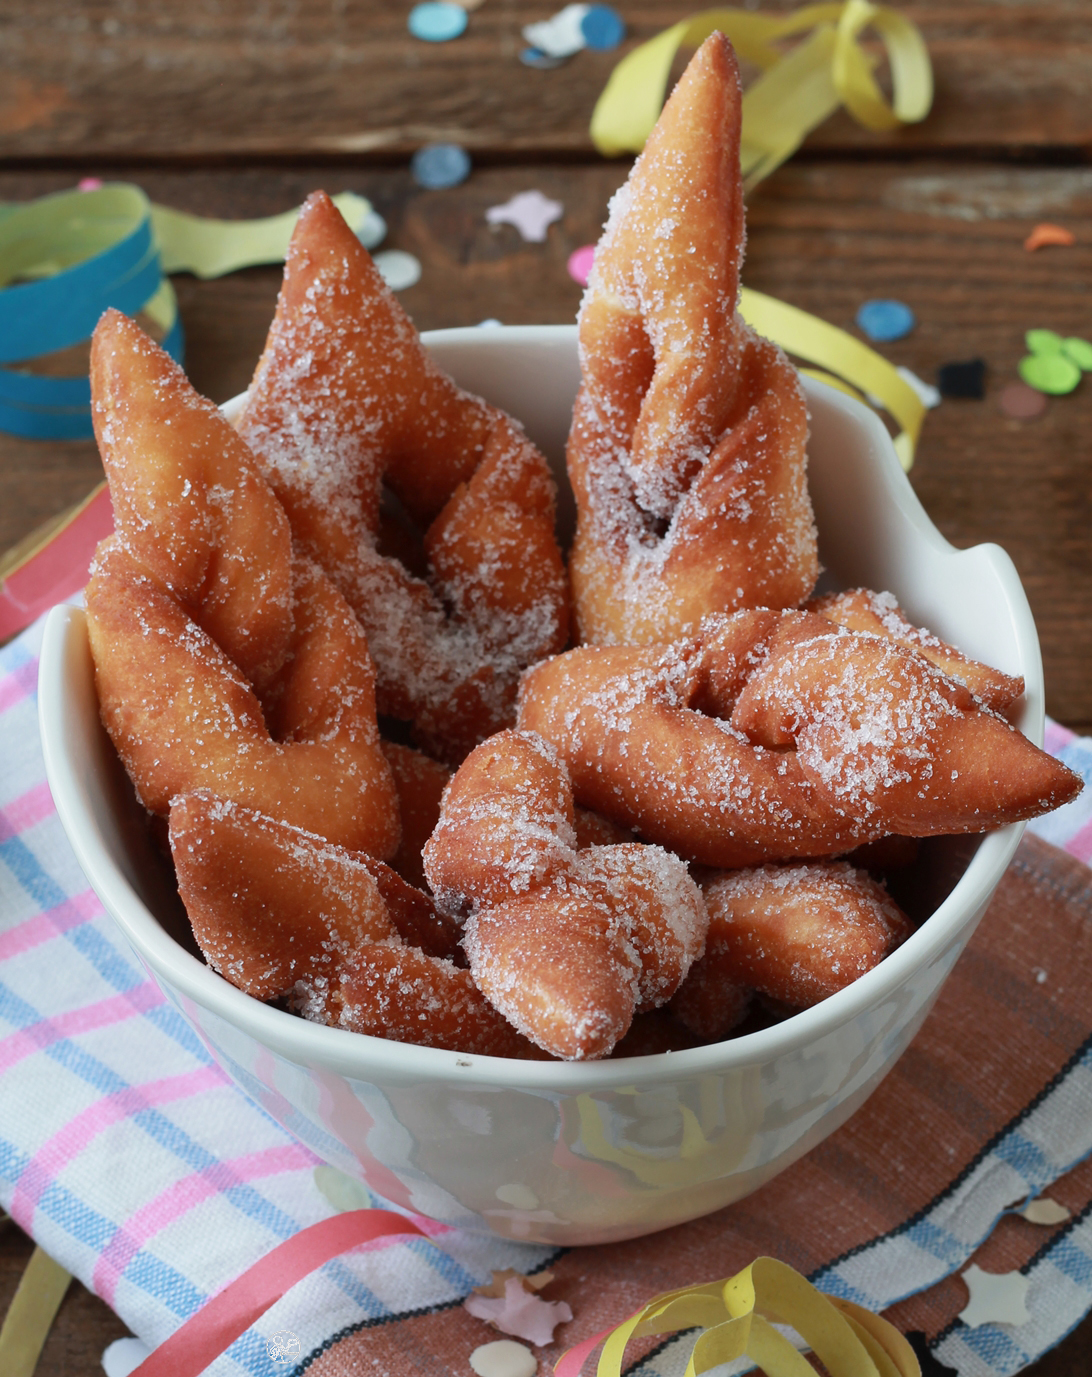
x=796 y=91
x=26 y=1325
x=66 y=258
x=738 y=1317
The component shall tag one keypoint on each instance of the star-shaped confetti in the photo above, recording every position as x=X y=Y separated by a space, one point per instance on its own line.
x=517 y=1310
x=996 y=1298
x=930 y=1365
x=530 y=212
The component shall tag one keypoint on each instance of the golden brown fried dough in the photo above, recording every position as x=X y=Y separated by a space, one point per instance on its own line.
x=566 y=943
x=346 y=398
x=687 y=452
x=796 y=933
x=269 y=903
x=420 y=782
x=881 y=733
x=774 y=735
x=863 y=610
x=184 y=719
x=397 y=992
x=190 y=504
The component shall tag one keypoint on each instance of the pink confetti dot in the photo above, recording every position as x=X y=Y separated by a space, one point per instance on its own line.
x=89 y=184
x=580 y=264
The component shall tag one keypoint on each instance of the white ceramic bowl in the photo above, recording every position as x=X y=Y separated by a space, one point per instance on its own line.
x=590 y=1152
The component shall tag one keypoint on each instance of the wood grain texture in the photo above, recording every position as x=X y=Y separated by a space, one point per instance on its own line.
x=229 y=78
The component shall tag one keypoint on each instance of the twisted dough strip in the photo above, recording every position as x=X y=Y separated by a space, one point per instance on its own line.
x=221 y=662
x=281 y=912
x=567 y=944
x=684 y=415
x=772 y=735
x=345 y=396
x=861 y=609
x=796 y=933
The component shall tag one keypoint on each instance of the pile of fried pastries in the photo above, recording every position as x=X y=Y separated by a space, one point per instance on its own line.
x=330 y=649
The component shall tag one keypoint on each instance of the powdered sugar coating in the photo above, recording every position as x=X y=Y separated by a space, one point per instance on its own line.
x=798 y=933
x=687 y=452
x=566 y=943
x=344 y=398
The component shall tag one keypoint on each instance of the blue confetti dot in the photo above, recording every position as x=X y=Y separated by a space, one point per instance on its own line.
x=437 y=22
x=543 y=62
x=886 y=320
x=439 y=165
x=602 y=28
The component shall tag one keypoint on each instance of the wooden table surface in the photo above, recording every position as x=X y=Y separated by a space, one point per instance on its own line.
x=234 y=108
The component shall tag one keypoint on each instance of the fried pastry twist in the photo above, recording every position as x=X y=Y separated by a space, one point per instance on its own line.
x=281 y=912
x=345 y=399
x=222 y=661
x=687 y=451
x=795 y=933
x=567 y=944
x=772 y=735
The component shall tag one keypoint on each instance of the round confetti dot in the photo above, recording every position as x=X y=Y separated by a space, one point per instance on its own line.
x=1051 y=373
x=1022 y=403
x=504 y=1358
x=1043 y=342
x=886 y=320
x=1078 y=351
x=543 y=62
x=437 y=22
x=89 y=184
x=373 y=231
x=602 y=28
x=398 y=270
x=440 y=165
x=580 y=264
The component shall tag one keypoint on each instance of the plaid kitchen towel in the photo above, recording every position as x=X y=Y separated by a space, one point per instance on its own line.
x=134 y=1162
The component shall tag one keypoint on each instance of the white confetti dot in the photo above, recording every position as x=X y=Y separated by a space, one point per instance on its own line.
x=399 y=270
x=504 y=1358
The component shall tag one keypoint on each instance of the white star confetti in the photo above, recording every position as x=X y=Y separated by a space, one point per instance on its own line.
x=530 y=212
x=996 y=1298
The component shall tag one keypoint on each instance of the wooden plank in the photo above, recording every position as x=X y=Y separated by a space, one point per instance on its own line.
x=948 y=240
x=226 y=78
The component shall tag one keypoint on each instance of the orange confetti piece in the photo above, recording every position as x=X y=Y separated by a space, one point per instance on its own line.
x=1045 y=234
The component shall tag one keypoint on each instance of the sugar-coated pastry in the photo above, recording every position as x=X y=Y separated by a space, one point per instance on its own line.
x=567 y=944
x=398 y=992
x=687 y=451
x=879 y=731
x=183 y=718
x=346 y=399
x=267 y=902
x=223 y=662
x=861 y=609
x=772 y=735
x=796 y=933
x=280 y=912
x=420 y=782
x=190 y=504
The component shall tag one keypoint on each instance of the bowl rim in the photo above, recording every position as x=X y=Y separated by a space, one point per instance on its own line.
x=364 y=1057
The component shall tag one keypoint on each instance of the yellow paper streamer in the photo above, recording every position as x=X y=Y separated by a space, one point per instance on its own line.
x=738 y=1317
x=839 y=353
x=211 y=248
x=35 y=1304
x=795 y=93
